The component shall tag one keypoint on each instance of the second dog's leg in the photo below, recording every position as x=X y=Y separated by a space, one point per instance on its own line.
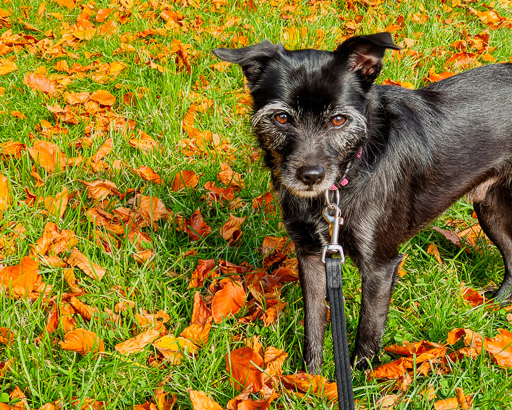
x=377 y=285
x=312 y=280
x=494 y=213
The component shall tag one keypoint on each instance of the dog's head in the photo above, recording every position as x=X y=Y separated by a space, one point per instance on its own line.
x=309 y=106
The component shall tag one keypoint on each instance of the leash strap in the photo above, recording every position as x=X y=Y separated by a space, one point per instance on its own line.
x=333 y=270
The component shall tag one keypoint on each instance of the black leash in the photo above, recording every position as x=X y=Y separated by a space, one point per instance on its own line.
x=334 y=274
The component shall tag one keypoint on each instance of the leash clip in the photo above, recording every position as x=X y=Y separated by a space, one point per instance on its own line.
x=332 y=215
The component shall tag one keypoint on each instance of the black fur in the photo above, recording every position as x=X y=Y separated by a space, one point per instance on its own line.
x=415 y=143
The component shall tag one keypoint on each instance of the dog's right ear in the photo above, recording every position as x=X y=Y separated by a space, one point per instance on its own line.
x=364 y=54
x=252 y=59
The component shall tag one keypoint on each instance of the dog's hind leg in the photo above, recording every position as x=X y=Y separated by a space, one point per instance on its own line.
x=493 y=207
x=377 y=281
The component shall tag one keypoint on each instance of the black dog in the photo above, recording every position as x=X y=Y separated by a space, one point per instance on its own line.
x=315 y=112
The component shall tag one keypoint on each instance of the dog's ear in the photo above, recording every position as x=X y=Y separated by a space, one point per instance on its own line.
x=252 y=59
x=364 y=54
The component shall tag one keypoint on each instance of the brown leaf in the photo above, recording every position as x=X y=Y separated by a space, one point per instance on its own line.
x=136 y=344
x=99 y=190
x=82 y=341
x=5 y=193
x=500 y=347
x=227 y=301
x=185 y=179
x=433 y=250
x=200 y=312
x=103 y=97
x=78 y=259
x=39 y=82
x=103 y=151
x=274 y=359
x=6 y=336
x=12 y=148
x=244 y=365
x=144 y=142
x=305 y=383
x=200 y=401
x=56 y=205
x=20 y=279
x=198 y=333
x=228 y=177
x=47 y=155
x=148 y=174
x=196 y=227
x=231 y=231
x=202 y=272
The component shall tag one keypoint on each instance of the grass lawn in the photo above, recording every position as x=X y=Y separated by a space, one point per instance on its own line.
x=103 y=104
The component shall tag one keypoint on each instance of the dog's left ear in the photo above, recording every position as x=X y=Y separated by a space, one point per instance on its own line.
x=364 y=54
x=252 y=59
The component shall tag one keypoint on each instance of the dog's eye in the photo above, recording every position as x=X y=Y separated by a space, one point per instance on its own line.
x=281 y=118
x=338 y=120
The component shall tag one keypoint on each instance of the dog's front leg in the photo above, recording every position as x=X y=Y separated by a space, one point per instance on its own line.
x=312 y=281
x=377 y=280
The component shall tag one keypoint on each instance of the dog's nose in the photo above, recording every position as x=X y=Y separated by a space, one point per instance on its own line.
x=311 y=175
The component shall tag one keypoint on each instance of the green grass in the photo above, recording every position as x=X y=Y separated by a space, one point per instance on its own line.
x=426 y=302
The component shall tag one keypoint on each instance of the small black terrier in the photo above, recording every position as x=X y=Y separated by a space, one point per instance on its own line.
x=316 y=112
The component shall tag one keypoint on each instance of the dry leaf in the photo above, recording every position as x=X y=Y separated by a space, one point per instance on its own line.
x=172 y=347
x=244 y=365
x=82 y=341
x=48 y=156
x=231 y=231
x=227 y=301
x=91 y=269
x=138 y=343
x=20 y=279
x=200 y=401
x=5 y=193
x=185 y=179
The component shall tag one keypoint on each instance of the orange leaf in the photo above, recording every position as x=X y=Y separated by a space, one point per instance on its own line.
x=274 y=359
x=185 y=179
x=227 y=301
x=89 y=268
x=196 y=227
x=136 y=344
x=20 y=278
x=244 y=366
x=200 y=312
x=47 y=155
x=471 y=296
x=103 y=151
x=148 y=174
x=7 y=66
x=70 y=4
x=200 y=401
x=198 y=333
x=103 y=97
x=151 y=208
x=12 y=148
x=143 y=142
x=201 y=273
x=5 y=193
x=6 y=336
x=231 y=231
x=500 y=347
x=305 y=383
x=99 y=190
x=228 y=177
x=82 y=341
x=39 y=82
x=56 y=205
x=103 y=15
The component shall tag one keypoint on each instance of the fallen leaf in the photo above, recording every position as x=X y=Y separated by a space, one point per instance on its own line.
x=138 y=343
x=47 y=155
x=20 y=279
x=148 y=174
x=103 y=97
x=200 y=401
x=5 y=193
x=227 y=301
x=39 y=82
x=7 y=66
x=231 y=231
x=82 y=341
x=185 y=179
x=245 y=366
x=172 y=347
x=91 y=269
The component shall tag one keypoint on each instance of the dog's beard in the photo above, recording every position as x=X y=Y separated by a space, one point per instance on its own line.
x=308 y=144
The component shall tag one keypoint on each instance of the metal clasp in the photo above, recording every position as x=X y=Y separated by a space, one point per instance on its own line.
x=332 y=214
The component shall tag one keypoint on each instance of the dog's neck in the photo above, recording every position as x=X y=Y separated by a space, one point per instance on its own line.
x=349 y=170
